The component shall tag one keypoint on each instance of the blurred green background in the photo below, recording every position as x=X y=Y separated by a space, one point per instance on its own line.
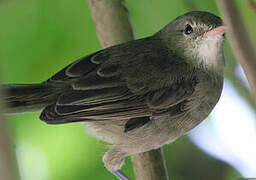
x=40 y=37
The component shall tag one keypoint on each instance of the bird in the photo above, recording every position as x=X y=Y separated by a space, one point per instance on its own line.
x=138 y=95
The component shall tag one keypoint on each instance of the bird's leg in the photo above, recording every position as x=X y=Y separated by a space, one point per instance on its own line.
x=113 y=161
x=120 y=175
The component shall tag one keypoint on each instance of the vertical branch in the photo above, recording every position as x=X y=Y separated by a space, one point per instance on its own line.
x=190 y=5
x=252 y=4
x=112 y=21
x=240 y=41
x=150 y=165
x=113 y=27
x=7 y=168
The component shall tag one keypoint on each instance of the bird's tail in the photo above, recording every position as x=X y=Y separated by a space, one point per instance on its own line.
x=20 y=98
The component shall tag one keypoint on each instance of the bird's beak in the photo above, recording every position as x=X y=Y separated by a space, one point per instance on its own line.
x=216 y=31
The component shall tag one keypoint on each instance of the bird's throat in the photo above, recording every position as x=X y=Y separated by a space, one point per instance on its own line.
x=208 y=53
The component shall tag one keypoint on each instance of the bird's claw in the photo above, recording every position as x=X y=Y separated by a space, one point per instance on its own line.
x=120 y=175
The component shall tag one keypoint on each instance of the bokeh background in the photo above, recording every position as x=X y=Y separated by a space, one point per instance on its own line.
x=40 y=37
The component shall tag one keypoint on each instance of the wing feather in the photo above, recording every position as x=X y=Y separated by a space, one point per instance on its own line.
x=132 y=80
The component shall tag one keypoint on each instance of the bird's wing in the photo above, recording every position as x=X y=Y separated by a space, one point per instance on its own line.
x=121 y=82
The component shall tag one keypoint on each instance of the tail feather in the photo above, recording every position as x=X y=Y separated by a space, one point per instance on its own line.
x=20 y=98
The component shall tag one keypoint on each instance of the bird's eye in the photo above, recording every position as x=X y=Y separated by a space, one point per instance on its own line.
x=188 y=29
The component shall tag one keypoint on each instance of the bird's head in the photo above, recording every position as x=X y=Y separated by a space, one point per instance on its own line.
x=198 y=37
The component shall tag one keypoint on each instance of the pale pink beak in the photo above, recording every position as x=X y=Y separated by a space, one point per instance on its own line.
x=216 y=31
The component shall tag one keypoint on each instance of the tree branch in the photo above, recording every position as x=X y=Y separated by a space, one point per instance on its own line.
x=7 y=167
x=252 y=5
x=113 y=27
x=112 y=21
x=190 y=5
x=150 y=165
x=240 y=41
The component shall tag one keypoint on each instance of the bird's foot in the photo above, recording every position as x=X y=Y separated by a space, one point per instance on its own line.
x=120 y=175
x=113 y=161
